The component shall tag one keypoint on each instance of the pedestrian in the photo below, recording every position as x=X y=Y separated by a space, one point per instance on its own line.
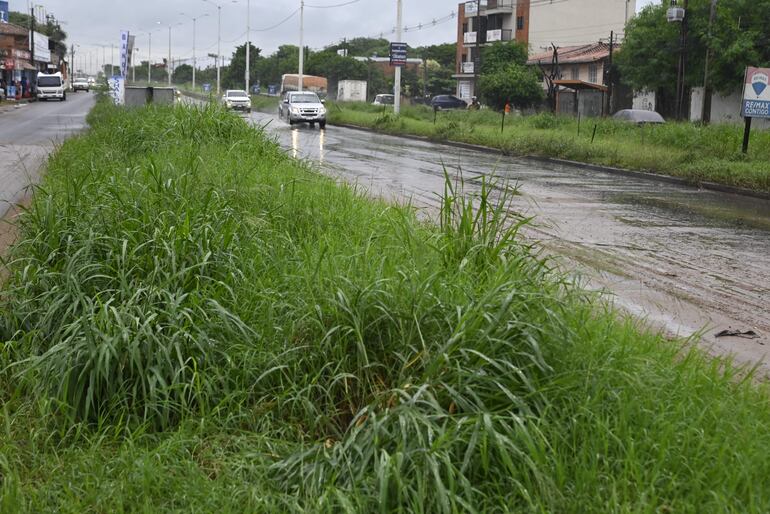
x=507 y=108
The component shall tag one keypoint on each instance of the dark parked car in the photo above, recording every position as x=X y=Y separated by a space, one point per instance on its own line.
x=447 y=102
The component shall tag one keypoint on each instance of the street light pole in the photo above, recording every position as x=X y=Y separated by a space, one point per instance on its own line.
x=705 y=116
x=248 y=43
x=149 y=61
x=399 y=23
x=301 y=44
x=195 y=58
x=168 y=64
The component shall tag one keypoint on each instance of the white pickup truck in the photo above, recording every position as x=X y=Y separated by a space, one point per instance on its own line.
x=302 y=107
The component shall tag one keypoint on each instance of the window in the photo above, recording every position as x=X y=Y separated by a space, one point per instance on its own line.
x=465 y=27
x=576 y=72
x=592 y=73
x=520 y=23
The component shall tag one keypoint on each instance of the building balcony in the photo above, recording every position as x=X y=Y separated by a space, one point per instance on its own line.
x=499 y=35
x=489 y=7
x=500 y=6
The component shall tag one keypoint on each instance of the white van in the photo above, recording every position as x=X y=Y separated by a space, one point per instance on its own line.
x=50 y=86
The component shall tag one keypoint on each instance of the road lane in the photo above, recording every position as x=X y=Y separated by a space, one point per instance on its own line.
x=28 y=134
x=683 y=259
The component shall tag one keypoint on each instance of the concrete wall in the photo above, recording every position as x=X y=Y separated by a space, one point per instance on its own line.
x=644 y=100
x=576 y=22
x=724 y=109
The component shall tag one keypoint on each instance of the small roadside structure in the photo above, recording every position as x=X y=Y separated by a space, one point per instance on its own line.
x=580 y=97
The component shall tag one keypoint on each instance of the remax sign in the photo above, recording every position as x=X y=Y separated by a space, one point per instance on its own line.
x=756 y=93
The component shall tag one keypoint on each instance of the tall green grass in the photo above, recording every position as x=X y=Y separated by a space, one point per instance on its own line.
x=195 y=322
x=694 y=152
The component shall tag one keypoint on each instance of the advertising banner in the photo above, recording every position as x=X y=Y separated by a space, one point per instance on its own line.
x=117 y=89
x=398 y=54
x=42 y=53
x=131 y=42
x=4 y=11
x=123 y=53
x=756 y=93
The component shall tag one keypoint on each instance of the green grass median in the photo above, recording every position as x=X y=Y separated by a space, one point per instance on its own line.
x=194 y=322
x=693 y=152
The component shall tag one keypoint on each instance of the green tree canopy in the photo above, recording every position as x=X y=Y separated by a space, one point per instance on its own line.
x=738 y=38
x=236 y=73
x=500 y=55
x=514 y=83
x=182 y=74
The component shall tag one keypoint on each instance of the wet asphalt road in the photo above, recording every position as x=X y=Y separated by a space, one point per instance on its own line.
x=686 y=260
x=28 y=133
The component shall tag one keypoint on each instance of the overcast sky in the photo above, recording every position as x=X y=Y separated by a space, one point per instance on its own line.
x=98 y=22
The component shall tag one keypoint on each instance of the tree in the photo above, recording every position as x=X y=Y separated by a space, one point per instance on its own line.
x=182 y=74
x=51 y=28
x=500 y=55
x=363 y=47
x=235 y=76
x=514 y=83
x=335 y=67
x=444 y=54
x=738 y=38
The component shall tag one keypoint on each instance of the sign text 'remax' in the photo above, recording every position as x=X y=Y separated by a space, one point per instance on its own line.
x=756 y=93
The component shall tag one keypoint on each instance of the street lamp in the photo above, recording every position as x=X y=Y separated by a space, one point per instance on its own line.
x=676 y=14
x=168 y=63
x=219 y=38
x=301 y=44
x=195 y=61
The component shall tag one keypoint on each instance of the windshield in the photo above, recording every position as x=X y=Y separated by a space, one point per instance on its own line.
x=49 y=82
x=237 y=94
x=307 y=98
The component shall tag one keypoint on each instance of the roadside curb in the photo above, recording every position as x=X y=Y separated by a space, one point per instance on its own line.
x=646 y=175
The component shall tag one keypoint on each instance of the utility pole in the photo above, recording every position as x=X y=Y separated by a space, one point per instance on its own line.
x=302 y=44
x=32 y=35
x=608 y=74
x=681 y=86
x=149 y=61
x=219 y=41
x=705 y=115
x=399 y=23
x=248 y=44
x=477 y=59
x=168 y=63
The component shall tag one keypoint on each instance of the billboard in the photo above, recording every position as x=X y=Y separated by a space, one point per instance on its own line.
x=42 y=53
x=756 y=93
x=4 y=11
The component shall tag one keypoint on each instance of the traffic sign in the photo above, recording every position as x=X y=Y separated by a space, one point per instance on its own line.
x=398 y=54
x=206 y=88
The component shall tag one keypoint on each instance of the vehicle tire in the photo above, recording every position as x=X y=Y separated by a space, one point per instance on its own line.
x=322 y=125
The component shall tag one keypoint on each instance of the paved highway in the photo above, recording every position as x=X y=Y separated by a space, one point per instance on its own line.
x=683 y=259
x=28 y=133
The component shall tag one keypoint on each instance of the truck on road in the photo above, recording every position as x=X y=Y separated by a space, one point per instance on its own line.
x=318 y=85
x=51 y=86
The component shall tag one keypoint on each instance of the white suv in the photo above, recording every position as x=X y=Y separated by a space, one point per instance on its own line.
x=237 y=100
x=80 y=84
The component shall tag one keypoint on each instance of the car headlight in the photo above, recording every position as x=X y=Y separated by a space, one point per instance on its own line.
x=295 y=110
x=322 y=110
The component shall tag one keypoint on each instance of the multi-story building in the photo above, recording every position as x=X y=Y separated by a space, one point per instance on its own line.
x=536 y=23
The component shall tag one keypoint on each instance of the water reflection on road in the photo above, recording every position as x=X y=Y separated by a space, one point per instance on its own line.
x=680 y=257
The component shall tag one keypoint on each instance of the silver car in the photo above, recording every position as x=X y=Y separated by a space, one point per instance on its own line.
x=302 y=107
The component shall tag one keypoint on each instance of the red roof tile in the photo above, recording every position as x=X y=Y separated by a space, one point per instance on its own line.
x=574 y=54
